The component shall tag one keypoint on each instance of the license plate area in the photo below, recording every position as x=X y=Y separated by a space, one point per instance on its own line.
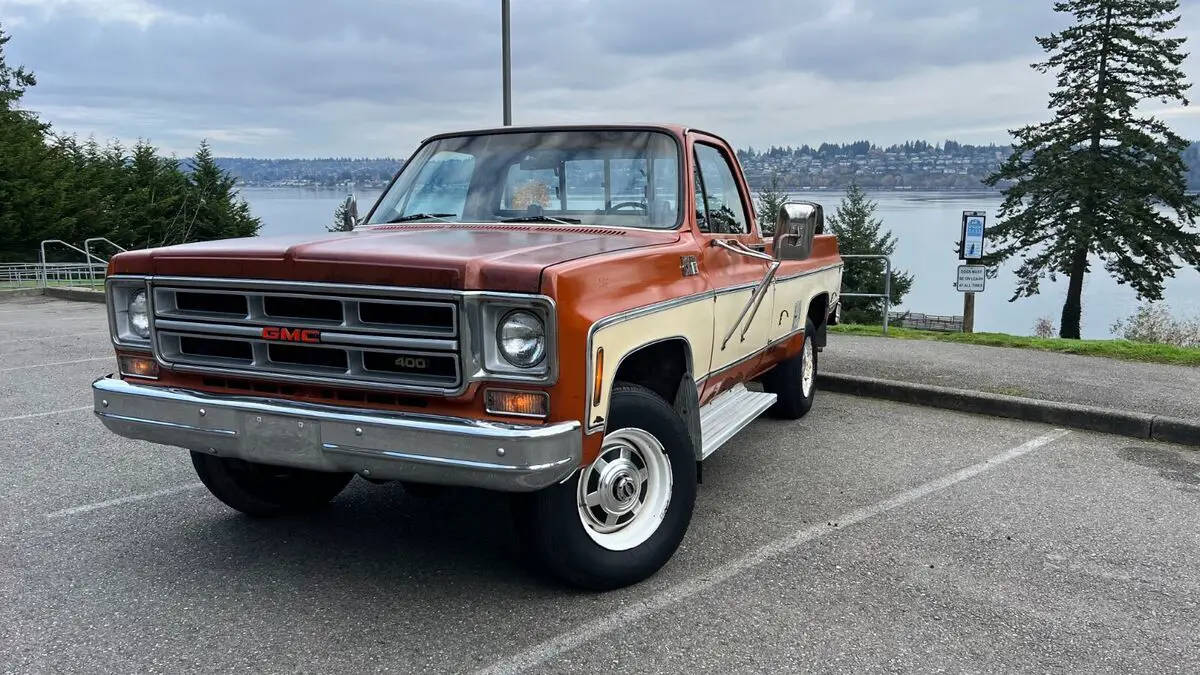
x=274 y=437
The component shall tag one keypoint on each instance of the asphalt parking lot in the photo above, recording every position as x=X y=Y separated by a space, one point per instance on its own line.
x=869 y=537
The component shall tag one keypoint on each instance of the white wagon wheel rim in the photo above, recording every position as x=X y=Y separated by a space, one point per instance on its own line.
x=808 y=370
x=623 y=495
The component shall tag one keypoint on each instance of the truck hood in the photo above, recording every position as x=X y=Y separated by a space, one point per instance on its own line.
x=460 y=256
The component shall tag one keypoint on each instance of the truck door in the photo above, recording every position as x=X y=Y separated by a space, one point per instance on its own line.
x=733 y=260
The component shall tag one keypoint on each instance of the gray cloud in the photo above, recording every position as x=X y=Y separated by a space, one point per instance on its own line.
x=300 y=77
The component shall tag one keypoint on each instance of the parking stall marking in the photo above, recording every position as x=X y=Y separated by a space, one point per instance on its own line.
x=44 y=414
x=630 y=614
x=82 y=314
x=56 y=363
x=187 y=487
x=52 y=337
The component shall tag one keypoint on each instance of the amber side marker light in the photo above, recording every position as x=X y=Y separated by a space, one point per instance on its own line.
x=520 y=403
x=137 y=366
x=598 y=377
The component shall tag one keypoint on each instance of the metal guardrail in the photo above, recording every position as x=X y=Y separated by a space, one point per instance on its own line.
x=887 y=286
x=90 y=273
x=38 y=275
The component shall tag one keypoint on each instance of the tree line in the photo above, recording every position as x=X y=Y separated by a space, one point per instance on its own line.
x=53 y=186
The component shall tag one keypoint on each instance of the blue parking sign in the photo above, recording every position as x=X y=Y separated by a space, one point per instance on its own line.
x=971 y=239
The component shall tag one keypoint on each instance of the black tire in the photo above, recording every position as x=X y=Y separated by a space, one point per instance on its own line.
x=551 y=528
x=786 y=380
x=265 y=491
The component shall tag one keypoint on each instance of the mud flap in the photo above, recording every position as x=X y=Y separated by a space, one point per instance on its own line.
x=687 y=404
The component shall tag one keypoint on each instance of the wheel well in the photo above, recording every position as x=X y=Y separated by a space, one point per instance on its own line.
x=818 y=312
x=657 y=366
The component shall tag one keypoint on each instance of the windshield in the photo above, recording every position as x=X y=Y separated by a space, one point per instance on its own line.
x=619 y=178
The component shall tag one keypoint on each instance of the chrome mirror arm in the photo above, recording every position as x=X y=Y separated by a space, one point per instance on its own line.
x=738 y=247
x=760 y=291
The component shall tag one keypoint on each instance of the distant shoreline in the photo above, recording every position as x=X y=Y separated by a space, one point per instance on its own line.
x=364 y=188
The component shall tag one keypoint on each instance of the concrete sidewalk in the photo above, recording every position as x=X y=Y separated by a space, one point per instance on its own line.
x=1137 y=399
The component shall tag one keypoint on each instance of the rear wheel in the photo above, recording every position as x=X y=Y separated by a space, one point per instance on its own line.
x=264 y=490
x=622 y=517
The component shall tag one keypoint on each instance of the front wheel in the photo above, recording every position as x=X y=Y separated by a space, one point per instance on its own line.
x=263 y=490
x=618 y=520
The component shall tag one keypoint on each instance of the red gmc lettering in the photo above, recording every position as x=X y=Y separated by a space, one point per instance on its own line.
x=291 y=334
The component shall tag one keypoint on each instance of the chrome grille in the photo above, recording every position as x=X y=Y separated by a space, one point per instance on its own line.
x=373 y=341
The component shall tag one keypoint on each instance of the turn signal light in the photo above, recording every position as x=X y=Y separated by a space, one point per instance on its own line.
x=598 y=377
x=137 y=366
x=523 y=403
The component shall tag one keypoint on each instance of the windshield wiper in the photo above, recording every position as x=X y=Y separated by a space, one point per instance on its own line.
x=540 y=219
x=420 y=216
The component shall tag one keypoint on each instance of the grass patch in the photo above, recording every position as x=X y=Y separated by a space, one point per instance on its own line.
x=1113 y=349
x=96 y=285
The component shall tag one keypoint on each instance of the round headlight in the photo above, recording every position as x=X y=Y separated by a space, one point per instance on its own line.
x=522 y=339
x=139 y=319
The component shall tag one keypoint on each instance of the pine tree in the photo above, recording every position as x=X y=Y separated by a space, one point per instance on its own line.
x=858 y=233
x=13 y=81
x=770 y=199
x=339 y=220
x=27 y=208
x=1088 y=181
x=214 y=211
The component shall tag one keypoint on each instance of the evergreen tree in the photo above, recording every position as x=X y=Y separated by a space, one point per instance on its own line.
x=13 y=81
x=213 y=210
x=155 y=199
x=770 y=198
x=1089 y=180
x=25 y=164
x=858 y=233
x=54 y=187
x=339 y=220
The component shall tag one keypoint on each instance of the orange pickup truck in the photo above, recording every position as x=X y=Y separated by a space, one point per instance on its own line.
x=524 y=309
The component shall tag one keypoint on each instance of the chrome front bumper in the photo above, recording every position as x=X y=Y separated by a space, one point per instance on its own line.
x=375 y=444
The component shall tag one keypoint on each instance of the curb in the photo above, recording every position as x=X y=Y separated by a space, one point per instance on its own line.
x=62 y=293
x=20 y=292
x=84 y=294
x=1141 y=425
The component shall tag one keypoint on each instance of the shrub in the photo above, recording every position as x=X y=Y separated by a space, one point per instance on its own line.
x=1154 y=324
x=1044 y=328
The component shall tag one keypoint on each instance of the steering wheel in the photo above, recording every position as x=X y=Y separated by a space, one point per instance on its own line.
x=639 y=205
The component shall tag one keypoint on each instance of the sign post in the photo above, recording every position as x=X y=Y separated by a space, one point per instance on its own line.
x=971 y=277
x=506 y=61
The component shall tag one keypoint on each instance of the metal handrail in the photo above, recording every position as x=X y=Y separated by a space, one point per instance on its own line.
x=887 y=286
x=87 y=246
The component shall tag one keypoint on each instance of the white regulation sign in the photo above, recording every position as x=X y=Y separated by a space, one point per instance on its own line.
x=971 y=278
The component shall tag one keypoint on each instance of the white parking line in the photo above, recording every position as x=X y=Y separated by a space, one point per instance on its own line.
x=56 y=363
x=44 y=414
x=42 y=312
x=52 y=337
x=640 y=609
x=124 y=500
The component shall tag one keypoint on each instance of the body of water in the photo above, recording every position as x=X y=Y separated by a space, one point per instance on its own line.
x=926 y=227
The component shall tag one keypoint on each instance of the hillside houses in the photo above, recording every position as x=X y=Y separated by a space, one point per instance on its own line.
x=915 y=165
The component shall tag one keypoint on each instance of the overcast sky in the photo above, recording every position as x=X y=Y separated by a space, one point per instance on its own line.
x=287 y=78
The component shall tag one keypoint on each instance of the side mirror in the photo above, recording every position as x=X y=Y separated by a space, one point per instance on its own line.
x=797 y=224
x=350 y=216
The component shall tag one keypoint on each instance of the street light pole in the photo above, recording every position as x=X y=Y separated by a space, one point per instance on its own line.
x=506 y=61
